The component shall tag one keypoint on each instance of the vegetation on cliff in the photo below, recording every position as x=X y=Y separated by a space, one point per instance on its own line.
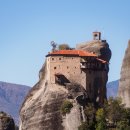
x=66 y=107
x=63 y=47
x=6 y=122
x=111 y=116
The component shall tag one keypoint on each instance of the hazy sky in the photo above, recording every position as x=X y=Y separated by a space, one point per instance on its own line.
x=28 y=26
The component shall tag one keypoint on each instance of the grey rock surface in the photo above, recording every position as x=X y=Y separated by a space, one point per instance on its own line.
x=99 y=47
x=6 y=122
x=41 y=108
x=124 y=83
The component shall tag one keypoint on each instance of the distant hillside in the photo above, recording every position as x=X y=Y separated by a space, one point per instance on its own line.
x=112 y=88
x=11 y=98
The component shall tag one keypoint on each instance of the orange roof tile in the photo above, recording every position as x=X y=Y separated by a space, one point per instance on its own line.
x=81 y=53
x=72 y=52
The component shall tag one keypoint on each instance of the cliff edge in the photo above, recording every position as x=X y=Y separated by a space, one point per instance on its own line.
x=99 y=47
x=75 y=76
x=41 y=108
x=124 y=83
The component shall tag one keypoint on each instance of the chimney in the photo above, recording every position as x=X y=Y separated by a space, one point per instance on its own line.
x=96 y=35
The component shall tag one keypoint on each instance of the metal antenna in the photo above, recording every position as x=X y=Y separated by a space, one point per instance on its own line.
x=54 y=45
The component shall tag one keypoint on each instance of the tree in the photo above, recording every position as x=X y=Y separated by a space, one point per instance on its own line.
x=127 y=110
x=64 y=47
x=100 y=118
x=66 y=107
x=89 y=112
x=115 y=110
x=122 y=125
x=86 y=126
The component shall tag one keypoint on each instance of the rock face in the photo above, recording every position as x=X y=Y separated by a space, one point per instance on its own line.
x=99 y=47
x=124 y=83
x=102 y=50
x=6 y=122
x=41 y=108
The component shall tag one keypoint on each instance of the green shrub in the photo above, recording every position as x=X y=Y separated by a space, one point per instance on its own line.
x=66 y=107
x=100 y=118
x=86 y=126
x=122 y=125
x=63 y=47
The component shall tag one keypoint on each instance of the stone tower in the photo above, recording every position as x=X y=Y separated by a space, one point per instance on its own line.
x=96 y=35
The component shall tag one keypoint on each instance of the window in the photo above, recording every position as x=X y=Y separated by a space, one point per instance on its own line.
x=52 y=58
x=54 y=68
x=59 y=58
x=67 y=67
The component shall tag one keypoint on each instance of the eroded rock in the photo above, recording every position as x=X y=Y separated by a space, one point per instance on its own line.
x=6 y=122
x=41 y=108
x=124 y=83
x=99 y=47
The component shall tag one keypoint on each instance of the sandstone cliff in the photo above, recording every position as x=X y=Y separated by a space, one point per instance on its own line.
x=102 y=50
x=99 y=47
x=41 y=108
x=124 y=83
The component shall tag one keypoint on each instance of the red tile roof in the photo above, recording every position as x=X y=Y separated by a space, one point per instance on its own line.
x=72 y=52
x=81 y=53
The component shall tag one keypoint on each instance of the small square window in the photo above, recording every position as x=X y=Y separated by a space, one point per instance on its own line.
x=59 y=58
x=54 y=68
x=52 y=58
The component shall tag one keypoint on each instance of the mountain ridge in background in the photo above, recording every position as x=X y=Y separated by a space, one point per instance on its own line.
x=112 y=88
x=11 y=98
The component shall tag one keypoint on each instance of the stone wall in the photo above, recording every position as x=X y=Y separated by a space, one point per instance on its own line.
x=68 y=66
x=96 y=85
x=94 y=81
